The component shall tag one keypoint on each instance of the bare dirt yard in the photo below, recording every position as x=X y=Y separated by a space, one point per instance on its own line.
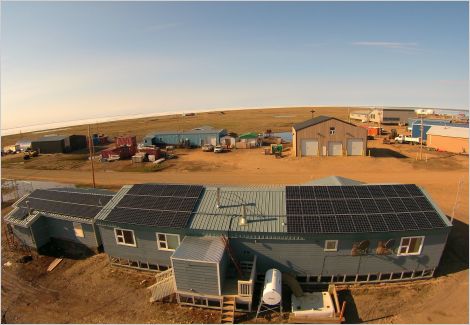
x=91 y=291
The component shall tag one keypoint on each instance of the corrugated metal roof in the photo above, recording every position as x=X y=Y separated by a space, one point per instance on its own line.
x=204 y=249
x=316 y=120
x=332 y=180
x=262 y=201
x=448 y=131
x=265 y=210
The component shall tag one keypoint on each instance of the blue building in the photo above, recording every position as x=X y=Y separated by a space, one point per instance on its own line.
x=415 y=126
x=196 y=137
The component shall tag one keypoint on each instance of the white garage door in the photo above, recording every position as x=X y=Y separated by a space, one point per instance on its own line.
x=335 y=148
x=355 y=147
x=309 y=147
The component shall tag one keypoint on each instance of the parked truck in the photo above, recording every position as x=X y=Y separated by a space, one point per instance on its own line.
x=407 y=139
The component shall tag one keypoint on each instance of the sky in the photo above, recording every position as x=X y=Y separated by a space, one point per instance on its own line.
x=64 y=61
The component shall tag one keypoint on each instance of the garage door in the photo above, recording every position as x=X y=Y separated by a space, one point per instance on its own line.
x=309 y=147
x=335 y=149
x=355 y=147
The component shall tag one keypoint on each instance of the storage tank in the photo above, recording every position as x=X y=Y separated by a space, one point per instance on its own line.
x=272 y=291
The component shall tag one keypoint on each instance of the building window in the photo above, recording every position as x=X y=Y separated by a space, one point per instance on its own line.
x=332 y=130
x=331 y=246
x=167 y=242
x=77 y=228
x=125 y=237
x=410 y=246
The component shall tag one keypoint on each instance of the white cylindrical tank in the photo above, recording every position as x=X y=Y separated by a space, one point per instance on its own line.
x=272 y=291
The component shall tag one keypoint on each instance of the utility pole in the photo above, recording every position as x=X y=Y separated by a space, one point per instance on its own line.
x=457 y=201
x=91 y=150
x=421 y=139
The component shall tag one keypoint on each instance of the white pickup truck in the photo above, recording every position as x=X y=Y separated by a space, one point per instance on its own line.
x=406 y=139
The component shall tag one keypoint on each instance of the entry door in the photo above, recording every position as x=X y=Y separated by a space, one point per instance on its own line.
x=335 y=148
x=309 y=147
x=355 y=147
x=213 y=141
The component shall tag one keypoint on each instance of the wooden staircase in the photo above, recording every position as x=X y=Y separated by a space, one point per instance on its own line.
x=232 y=256
x=227 y=315
x=164 y=285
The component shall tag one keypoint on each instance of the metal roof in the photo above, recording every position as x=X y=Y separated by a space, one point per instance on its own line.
x=200 y=130
x=448 y=131
x=333 y=180
x=203 y=249
x=51 y=138
x=316 y=120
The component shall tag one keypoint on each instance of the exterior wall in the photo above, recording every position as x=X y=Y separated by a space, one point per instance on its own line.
x=24 y=235
x=49 y=146
x=223 y=265
x=146 y=240
x=78 y=142
x=390 y=116
x=321 y=132
x=294 y=143
x=363 y=117
x=456 y=145
x=40 y=232
x=63 y=229
x=196 y=277
x=307 y=257
x=194 y=138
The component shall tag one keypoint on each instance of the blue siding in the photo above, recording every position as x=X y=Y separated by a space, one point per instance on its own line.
x=307 y=256
x=40 y=232
x=196 y=277
x=63 y=229
x=146 y=250
x=23 y=235
x=172 y=139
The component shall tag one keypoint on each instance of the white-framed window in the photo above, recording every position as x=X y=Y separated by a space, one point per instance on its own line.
x=125 y=237
x=331 y=246
x=332 y=130
x=410 y=245
x=167 y=242
x=77 y=228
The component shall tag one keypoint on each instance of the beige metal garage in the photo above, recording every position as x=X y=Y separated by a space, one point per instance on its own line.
x=328 y=136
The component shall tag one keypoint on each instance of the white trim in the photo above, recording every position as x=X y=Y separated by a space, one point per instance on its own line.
x=124 y=244
x=408 y=247
x=166 y=241
x=331 y=249
x=218 y=279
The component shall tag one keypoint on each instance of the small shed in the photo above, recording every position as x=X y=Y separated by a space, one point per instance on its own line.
x=228 y=140
x=199 y=264
x=451 y=139
x=248 y=140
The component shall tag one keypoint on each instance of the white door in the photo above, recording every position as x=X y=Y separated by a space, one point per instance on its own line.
x=213 y=141
x=309 y=147
x=355 y=147
x=335 y=148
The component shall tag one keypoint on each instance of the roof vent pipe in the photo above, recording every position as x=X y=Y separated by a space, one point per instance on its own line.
x=218 y=197
x=243 y=221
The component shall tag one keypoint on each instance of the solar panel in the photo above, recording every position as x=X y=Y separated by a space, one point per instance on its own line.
x=159 y=205
x=345 y=224
x=377 y=223
x=365 y=208
x=328 y=224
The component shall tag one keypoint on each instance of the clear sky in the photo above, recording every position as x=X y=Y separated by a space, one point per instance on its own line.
x=63 y=61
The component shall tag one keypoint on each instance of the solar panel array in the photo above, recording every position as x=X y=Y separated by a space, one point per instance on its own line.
x=157 y=205
x=353 y=209
x=77 y=204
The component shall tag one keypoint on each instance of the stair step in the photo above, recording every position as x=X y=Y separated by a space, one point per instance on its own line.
x=230 y=307
x=227 y=319
x=230 y=302
x=229 y=313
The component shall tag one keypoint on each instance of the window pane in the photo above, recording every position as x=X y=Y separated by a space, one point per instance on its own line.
x=172 y=241
x=128 y=238
x=414 y=245
x=163 y=244
x=403 y=250
x=120 y=240
x=330 y=244
x=119 y=232
x=77 y=227
x=406 y=242
x=161 y=237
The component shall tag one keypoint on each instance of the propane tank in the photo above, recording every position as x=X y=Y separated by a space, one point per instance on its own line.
x=272 y=291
